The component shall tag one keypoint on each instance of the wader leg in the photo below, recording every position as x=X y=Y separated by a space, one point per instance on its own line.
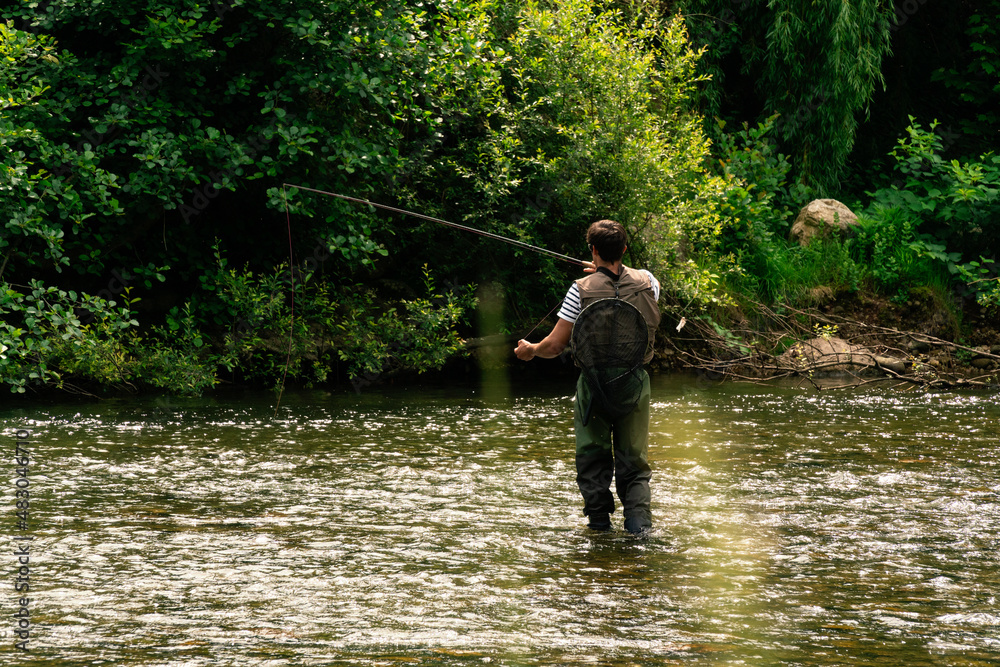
x=632 y=471
x=594 y=459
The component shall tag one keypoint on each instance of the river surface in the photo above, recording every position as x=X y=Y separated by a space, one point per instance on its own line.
x=443 y=527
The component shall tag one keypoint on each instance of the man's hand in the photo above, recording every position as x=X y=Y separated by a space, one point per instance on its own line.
x=525 y=351
x=550 y=346
x=589 y=267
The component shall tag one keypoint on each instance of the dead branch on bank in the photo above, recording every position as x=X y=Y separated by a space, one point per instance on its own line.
x=758 y=352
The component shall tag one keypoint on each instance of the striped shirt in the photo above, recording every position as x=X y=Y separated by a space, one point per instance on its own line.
x=570 y=309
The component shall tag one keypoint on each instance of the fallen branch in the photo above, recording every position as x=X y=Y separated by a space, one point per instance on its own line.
x=746 y=353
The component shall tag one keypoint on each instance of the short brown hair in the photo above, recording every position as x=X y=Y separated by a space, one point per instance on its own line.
x=608 y=237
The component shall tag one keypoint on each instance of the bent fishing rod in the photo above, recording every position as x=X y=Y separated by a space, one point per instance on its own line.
x=480 y=232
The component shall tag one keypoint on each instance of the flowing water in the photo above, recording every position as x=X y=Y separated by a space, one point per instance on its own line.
x=442 y=527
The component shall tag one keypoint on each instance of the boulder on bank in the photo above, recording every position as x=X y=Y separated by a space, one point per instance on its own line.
x=827 y=355
x=819 y=218
x=835 y=356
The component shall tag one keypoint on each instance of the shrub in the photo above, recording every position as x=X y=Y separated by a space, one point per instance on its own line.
x=47 y=334
x=937 y=215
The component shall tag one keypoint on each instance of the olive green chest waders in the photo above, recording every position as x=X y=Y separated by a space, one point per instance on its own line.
x=612 y=339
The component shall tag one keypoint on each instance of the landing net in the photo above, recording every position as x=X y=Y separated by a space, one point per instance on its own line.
x=609 y=343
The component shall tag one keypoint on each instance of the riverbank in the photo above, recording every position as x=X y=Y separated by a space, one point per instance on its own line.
x=852 y=340
x=924 y=340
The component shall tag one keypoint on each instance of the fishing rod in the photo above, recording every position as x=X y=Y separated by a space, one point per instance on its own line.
x=480 y=232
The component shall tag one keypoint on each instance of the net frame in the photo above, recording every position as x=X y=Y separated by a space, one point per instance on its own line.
x=610 y=338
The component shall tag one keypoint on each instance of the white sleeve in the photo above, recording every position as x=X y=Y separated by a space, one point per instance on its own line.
x=570 y=309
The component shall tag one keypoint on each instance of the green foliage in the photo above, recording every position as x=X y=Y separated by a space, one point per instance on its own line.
x=240 y=324
x=590 y=115
x=116 y=133
x=826 y=331
x=957 y=202
x=176 y=358
x=375 y=341
x=816 y=65
x=155 y=129
x=955 y=206
x=982 y=280
x=158 y=126
x=249 y=325
x=700 y=284
x=974 y=79
x=820 y=68
x=41 y=201
x=757 y=174
x=47 y=334
x=758 y=202
x=615 y=97
x=911 y=235
x=898 y=260
x=73 y=341
x=774 y=271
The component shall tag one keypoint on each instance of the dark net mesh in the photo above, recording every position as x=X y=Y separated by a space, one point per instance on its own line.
x=609 y=343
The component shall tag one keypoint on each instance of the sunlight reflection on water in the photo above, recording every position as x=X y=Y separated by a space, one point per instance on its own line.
x=793 y=527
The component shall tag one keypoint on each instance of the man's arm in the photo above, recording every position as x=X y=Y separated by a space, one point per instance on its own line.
x=550 y=346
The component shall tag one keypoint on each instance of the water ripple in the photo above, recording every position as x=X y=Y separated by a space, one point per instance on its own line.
x=793 y=527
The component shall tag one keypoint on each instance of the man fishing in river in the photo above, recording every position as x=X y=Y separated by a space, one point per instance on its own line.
x=611 y=316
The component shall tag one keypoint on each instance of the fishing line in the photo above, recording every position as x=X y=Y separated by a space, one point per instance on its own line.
x=454 y=225
x=291 y=277
x=480 y=232
x=525 y=336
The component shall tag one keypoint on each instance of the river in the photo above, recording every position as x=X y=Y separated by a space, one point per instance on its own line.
x=442 y=526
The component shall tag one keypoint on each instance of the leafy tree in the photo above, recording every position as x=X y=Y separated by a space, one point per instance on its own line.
x=161 y=125
x=816 y=65
x=973 y=80
x=176 y=103
x=591 y=115
x=953 y=204
x=39 y=207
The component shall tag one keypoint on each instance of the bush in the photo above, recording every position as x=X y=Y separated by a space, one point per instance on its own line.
x=240 y=324
x=374 y=342
x=255 y=330
x=758 y=193
x=937 y=215
x=759 y=204
x=591 y=115
x=886 y=243
x=47 y=334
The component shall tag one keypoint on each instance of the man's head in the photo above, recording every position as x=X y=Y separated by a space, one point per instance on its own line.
x=608 y=238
